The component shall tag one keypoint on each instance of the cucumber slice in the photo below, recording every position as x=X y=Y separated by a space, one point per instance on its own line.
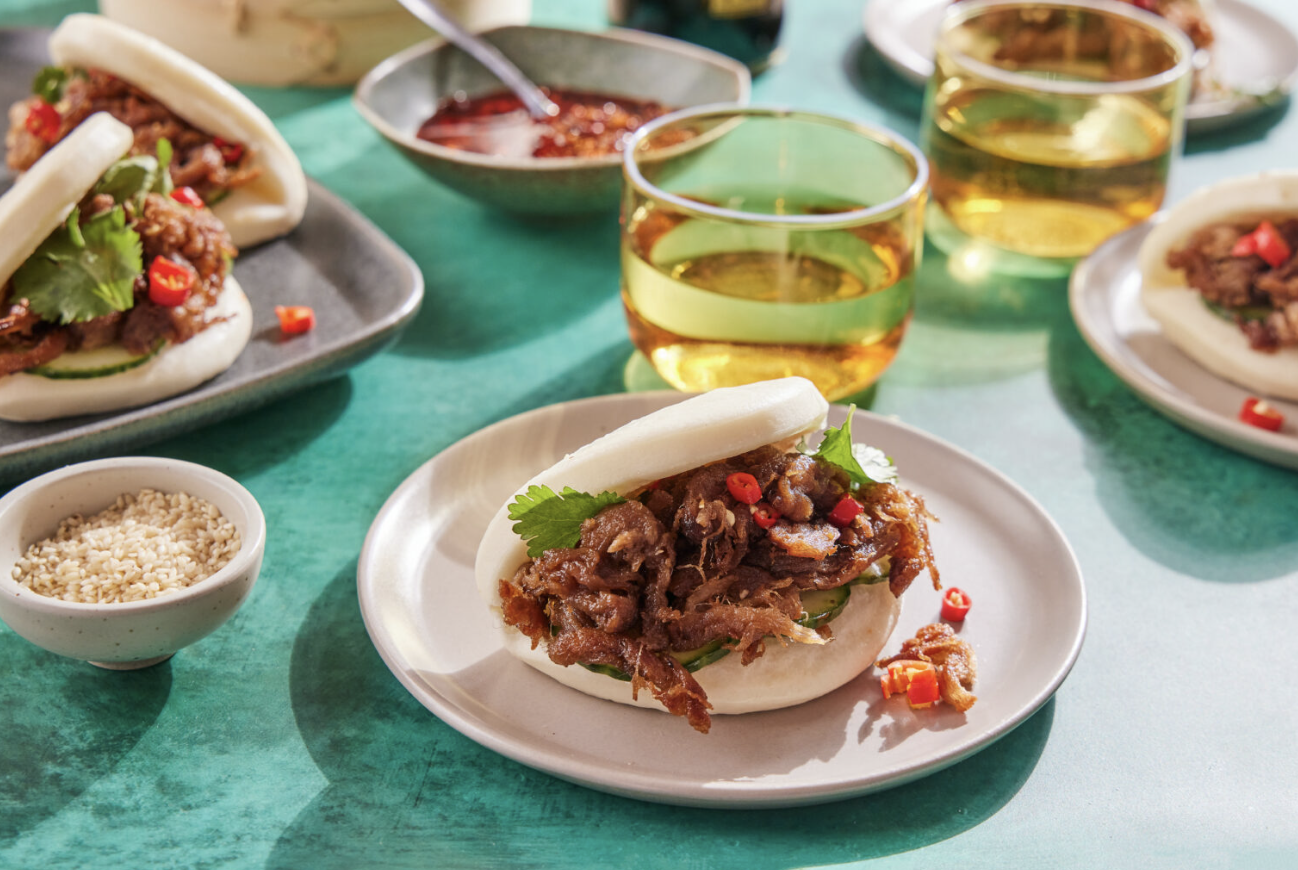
x=819 y=606
x=1243 y=312
x=876 y=573
x=97 y=363
x=692 y=660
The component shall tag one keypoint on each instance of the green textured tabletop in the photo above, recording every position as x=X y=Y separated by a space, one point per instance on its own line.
x=283 y=741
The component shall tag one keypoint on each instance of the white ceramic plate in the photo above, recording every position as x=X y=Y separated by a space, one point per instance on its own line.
x=1105 y=298
x=1255 y=54
x=423 y=613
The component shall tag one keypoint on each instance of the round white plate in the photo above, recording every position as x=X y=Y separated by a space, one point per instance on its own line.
x=1255 y=54
x=423 y=613
x=1105 y=298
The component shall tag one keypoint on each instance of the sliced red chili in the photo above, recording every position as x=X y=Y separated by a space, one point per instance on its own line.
x=922 y=690
x=295 y=319
x=1266 y=242
x=169 y=282
x=743 y=486
x=43 y=122
x=845 y=511
x=1259 y=413
x=187 y=196
x=955 y=604
x=764 y=515
x=231 y=152
x=918 y=680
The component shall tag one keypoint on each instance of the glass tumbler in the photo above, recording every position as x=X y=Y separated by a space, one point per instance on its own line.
x=762 y=243
x=1051 y=126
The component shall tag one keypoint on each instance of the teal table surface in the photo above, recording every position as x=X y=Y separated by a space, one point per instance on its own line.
x=282 y=740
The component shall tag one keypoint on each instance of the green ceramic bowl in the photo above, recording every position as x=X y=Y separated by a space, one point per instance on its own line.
x=402 y=92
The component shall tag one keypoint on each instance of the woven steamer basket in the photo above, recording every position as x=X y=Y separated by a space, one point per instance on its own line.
x=296 y=42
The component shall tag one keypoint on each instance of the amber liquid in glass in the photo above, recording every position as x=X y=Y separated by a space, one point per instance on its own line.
x=714 y=304
x=1047 y=175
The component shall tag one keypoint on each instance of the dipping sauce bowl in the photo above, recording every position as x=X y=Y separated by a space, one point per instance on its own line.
x=401 y=93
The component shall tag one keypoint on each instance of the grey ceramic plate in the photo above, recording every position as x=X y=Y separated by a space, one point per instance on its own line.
x=1255 y=54
x=363 y=288
x=422 y=610
x=1105 y=299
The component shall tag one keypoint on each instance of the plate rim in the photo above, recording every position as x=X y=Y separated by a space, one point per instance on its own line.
x=1201 y=117
x=1271 y=447
x=735 y=795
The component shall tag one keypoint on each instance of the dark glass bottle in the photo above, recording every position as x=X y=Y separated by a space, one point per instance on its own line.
x=747 y=30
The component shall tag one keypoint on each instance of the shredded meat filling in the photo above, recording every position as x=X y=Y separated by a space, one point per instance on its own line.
x=1263 y=301
x=197 y=160
x=191 y=237
x=685 y=565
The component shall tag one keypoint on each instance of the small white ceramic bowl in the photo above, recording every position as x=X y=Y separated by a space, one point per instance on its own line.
x=133 y=634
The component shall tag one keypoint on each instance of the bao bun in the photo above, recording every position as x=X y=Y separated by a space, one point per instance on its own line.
x=1215 y=343
x=37 y=204
x=267 y=207
x=704 y=429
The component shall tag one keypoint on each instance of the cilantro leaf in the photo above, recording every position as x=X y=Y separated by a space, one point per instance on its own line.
x=132 y=178
x=49 y=83
x=546 y=520
x=129 y=179
x=82 y=271
x=863 y=465
x=162 y=183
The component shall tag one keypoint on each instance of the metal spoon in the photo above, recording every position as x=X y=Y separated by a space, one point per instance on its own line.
x=538 y=105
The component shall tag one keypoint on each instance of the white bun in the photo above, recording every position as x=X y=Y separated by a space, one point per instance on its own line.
x=41 y=198
x=294 y=42
x=695 y=432
x=271 y=205
x=1214 y=343
x=177 y=368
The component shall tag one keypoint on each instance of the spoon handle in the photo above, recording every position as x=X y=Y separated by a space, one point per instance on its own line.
x=428 y=11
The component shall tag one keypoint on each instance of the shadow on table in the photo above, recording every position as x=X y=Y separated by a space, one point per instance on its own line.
x=492 y=281
x=66 y=725
x=1251 y=129
x=973 y=326
x=281 y=429
x=406 y=790
x=1184 y=501
x=870 y=74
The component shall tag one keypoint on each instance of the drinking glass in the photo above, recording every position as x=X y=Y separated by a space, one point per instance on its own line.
x=1051 y=126
x=761 y=243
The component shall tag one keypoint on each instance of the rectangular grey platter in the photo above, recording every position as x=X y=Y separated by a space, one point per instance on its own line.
x=364 y=290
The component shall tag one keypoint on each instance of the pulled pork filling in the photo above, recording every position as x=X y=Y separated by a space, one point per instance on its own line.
x=1262 y=300
x=685 y=565
x=1041 y=34
x=191 y=237
x=199 y=160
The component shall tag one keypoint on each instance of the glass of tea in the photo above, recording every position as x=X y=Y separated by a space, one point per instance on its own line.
x=1051 y=126
x=762 y=243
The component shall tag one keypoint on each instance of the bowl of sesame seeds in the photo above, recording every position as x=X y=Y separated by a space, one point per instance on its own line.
x=121 y=562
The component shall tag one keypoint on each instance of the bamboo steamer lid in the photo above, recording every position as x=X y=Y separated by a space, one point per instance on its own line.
x=295 y=42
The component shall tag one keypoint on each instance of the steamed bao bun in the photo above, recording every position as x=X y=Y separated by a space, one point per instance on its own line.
x=269 y=206
x=37 y=204
x=1212 y=341
x=704 y=429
